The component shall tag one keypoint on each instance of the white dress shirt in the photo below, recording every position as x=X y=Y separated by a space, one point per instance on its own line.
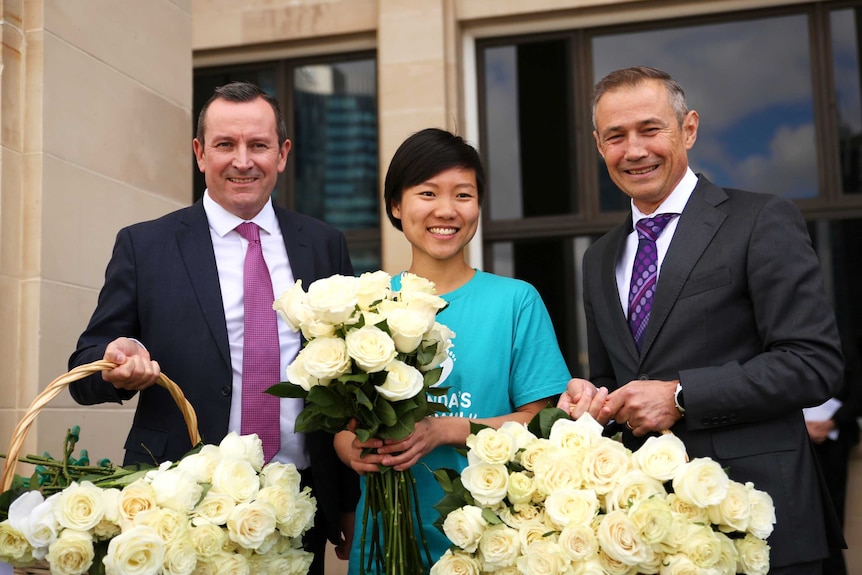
x=230 y=248
x=673 y=204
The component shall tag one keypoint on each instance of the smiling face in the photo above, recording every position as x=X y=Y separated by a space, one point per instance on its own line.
x=439 y=216
x=240 y=157
x=642 y=142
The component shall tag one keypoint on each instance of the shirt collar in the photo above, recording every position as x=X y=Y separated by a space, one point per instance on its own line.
x=223 y=222
x=675 y=202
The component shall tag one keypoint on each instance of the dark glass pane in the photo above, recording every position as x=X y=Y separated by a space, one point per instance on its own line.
x=335 y=143
x=846 y=47
x=750 y=81
x=528 y=146
x=205 y=84
x=552 y=265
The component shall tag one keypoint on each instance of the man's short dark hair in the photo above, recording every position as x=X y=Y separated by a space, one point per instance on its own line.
x=628 y=77
x=239 y=92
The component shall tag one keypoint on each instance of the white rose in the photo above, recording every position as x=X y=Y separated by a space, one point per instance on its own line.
x=208 y=539
x=592 y=566
x=762 y=512
x=246 y=447
x=575 y=435
x=408 y=325
x=284 y=475
x=620 y=540
x=402 y=381
x=424 y=302
x=176 y=489
x=679 y=564
x=249 y=524
x=14 y=547
x=533 y=451
x=135 y=498
x=521 y=487
x=457 y=563
x=324 y=358
x=333 y=299
x=298 y=374
x=440 y=336
x=138 y=551
x=531 y=531
x=171 y=525
x=80 y=506
x=292 y=307
x=201 y=465
x=302 y=517
x=729 y=556
x=485 y=482
x=753 y=555
x=371 y=348
x=653 y=519
x=499 y=548
x=521 y=436
x=632 y=487
x=412 y=284
x=554 y=469
x=288 y=562
x=660 y=456
x=72 y=553
x=733 y=513
x=280 y=499
x=604 y=464
x=543 y=557
x=180 y=558
x=679 y=527
x=373 y=287
x=491 y=446
x=109 y=526
x=214 y=508
x=237 y=478
x=702 y=546
x=701 y=482
x=692 y=512
x=464 y=527
x=519 y=515
x=566 y=506
x=230 y=564
x=316 y=328
x=578 y=542
x=34 y=517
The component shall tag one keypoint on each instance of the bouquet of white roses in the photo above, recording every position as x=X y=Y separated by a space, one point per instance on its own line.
x=558 y=497
x=371 y=357
x=218 y=510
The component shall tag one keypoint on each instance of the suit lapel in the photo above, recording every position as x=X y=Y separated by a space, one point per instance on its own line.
x=698 y=224
x=299 y=253
x=196 y=249
x=615 y=310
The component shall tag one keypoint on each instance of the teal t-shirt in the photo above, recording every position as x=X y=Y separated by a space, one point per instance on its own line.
x=505 y=354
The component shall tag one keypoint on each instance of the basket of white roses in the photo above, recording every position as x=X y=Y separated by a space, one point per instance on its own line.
x=218 y=509
x=557 y=496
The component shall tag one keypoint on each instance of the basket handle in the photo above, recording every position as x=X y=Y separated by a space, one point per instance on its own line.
x=58 y=385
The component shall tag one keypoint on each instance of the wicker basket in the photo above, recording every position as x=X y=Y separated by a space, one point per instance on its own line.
x=50 y=392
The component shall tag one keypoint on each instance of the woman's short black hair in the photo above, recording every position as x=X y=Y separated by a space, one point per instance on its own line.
x=424 y=155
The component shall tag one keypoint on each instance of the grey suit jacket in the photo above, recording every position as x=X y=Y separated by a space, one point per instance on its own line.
x=742 y=319
x=162 y=288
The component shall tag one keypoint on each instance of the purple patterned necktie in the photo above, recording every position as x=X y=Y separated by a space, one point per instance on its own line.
x=261 y=356
x=645 y=274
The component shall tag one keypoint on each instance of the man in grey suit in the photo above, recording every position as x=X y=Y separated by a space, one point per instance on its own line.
x=736 y=334
x=173 y=299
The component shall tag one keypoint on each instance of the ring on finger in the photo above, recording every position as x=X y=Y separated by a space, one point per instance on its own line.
x=629 y=426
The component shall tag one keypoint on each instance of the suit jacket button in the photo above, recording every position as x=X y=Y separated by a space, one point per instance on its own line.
x=225 y=391
x=643 y=377
x=705 y=421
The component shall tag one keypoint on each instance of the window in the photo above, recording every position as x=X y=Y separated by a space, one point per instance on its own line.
x=778 y=93
x=331 y=109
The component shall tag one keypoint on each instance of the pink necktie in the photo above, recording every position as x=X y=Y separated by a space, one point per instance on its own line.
x=645 y=274
x=260 y=351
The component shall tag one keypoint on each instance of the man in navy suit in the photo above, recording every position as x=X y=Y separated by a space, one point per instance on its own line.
x=173 y=300
x=740 y=336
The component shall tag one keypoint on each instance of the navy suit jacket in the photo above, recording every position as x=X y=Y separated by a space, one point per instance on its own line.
x=162 y=288
x=741 y=318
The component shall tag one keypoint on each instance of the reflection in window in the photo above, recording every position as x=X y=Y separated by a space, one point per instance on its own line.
x=846 y=71
x=527 y=129
x=750 y=81
x=335 y=146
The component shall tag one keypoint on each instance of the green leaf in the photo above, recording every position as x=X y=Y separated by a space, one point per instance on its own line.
x=477 y=427
x=446 y=478
x=490 y=516
x=285 y=389
x=385 y=411
x=432 y=376
x=541 y=424
x=437 y=391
